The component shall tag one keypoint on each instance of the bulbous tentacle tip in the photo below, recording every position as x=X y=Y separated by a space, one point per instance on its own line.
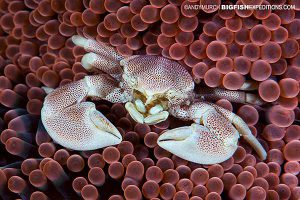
x=197 y=144
x=81 y=127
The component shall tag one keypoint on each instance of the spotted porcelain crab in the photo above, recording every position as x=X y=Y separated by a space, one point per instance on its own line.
x=152 y=88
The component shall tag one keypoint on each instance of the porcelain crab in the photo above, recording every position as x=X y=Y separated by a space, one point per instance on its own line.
x=152 y=88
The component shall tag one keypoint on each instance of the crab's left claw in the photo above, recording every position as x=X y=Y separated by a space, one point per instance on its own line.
x=197 y=144
x=215 y=141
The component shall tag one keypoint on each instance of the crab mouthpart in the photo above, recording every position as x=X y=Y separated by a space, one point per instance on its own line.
x=134 y=113
x=148 y=109
x=156 y=118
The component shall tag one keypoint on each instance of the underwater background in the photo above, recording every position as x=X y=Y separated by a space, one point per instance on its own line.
x=220 y=48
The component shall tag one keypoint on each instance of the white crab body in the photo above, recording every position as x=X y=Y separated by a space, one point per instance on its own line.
x=152 y=88
x=149 y=74
x=156 y=84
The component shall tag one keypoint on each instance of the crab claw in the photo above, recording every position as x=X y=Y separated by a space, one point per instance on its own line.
x=217 y=138
x=76 y=124
x=82 y=127
x=197 y=144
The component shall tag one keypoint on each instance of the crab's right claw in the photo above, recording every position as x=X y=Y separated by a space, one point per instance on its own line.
x=197 y=144
x=81 y=127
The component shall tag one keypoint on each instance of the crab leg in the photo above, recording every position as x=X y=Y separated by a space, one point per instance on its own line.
x=101 y=56
x=243 y=129
x=214 y=141
x=209 y=94
x=76 y=124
